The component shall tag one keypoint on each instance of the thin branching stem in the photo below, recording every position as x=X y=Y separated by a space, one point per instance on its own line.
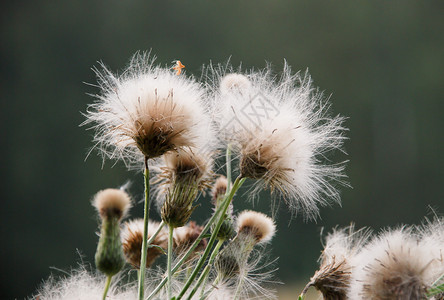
x=145 y=230
x=239 y=181
x=170 y=258
x=107 y=284
x=210 y=222
x=203 y=276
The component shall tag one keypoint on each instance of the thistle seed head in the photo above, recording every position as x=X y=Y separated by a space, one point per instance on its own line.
x=282 y=131
x=147 y=111
x=392 y=266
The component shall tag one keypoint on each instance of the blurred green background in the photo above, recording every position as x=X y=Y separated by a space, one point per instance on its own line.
x=382 y=61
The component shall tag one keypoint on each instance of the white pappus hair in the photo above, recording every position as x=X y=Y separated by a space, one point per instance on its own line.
x=147 y=111
x=282 y=131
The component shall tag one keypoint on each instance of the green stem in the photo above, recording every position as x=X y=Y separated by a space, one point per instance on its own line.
x=170 y=258
x=239 y=181
x=145 y=230
x=151 y=239
x=107 y=284
x=238 y=289
x=196 y=242
x=203 y=276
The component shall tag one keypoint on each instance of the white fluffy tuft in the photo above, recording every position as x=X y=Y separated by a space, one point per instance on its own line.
x=283 y=129
x=145 y=94
x=83 y=285
x=395 y=264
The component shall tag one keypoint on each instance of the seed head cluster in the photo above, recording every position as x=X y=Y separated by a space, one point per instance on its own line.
x=404 y=263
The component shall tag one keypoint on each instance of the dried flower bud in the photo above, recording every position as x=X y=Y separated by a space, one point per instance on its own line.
x=257 y=225
x=227 y=230
x=219 y=190
x=112 y=203
x=132 y=237
x=184 y=175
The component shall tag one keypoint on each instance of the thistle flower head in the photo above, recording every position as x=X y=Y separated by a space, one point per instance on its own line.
x=257 y=225
x=219 y=189
x=392 y=266
x=185 y=174
x=227 y=228
x=147 y=111
x=132 y=237
x=334 y=274
x=112 y=203
x=282 y=131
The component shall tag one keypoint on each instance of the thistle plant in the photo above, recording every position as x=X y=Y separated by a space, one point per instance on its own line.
x=174 y=128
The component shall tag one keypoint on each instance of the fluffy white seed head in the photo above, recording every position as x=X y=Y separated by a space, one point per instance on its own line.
x=334 y=274
x=147 y=111
x=132 y=238
x=256 y=224
x=282 y=130
x=112 y=203
x=393 y=266
x=431 y=235
x=81 y=284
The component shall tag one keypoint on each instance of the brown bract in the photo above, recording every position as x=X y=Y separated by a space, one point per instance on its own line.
x=160 y=126
x=261 y=159
x=332 y=279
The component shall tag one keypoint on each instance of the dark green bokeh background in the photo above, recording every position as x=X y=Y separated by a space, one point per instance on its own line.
x=382 y=61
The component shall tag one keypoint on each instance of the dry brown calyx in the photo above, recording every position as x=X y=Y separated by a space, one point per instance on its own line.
x=260 y=160
x=332 y=280
x=161 y=126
